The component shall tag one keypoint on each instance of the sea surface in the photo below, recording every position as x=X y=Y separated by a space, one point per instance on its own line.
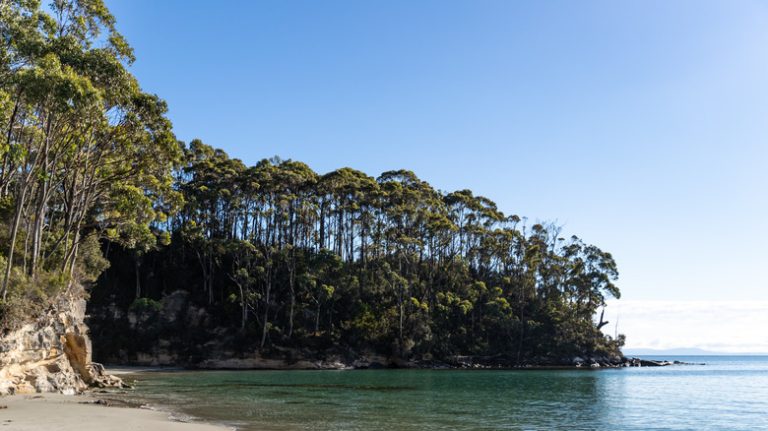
x=727 y=393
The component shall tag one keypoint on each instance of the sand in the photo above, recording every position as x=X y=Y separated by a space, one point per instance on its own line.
x=55 y=412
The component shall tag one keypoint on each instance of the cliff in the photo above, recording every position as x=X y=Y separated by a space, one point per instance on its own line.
x=52 y=353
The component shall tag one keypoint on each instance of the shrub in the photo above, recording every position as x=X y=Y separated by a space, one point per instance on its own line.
x=144 y=305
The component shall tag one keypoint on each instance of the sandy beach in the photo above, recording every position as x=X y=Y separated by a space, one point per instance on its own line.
x=55 y=412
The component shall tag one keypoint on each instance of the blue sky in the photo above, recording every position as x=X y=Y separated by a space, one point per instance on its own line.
x=640 y=126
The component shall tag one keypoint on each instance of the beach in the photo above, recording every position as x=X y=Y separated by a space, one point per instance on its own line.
x=56 y=412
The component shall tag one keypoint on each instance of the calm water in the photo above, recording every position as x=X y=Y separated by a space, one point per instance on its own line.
x=729 y=393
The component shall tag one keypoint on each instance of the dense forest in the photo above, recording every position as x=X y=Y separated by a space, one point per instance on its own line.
x=95 y=189
x=291 y=257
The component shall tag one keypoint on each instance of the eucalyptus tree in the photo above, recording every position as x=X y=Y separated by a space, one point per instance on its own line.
x=85 y=149
x=212 y=195
x=295 y=180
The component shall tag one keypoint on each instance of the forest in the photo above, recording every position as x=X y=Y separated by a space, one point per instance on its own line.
x=95 y=190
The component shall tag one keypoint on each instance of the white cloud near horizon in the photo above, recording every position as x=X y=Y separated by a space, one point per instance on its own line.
x=723 y=326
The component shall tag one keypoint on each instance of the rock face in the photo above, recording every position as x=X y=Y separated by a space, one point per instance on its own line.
x=175 y=332
x=53 y=353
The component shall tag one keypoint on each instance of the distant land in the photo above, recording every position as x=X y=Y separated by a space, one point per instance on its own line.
x=685 y=351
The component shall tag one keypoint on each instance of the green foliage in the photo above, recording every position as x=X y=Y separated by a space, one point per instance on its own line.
x=85 y=152
x=145 y=305
x=290 y=257
x=91 y=261
x=28 y=297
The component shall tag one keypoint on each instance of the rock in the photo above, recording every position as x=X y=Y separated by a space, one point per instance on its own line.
x=639 y=362
x=370 y=360
x=53 y=353
x=256 y=362
x=174 y=304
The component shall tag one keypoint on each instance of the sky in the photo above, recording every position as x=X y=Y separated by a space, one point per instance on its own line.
x=639 y=126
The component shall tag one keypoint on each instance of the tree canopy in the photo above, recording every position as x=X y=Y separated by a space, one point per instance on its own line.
x=290 y=257
x=277 y=252
x=84 y=154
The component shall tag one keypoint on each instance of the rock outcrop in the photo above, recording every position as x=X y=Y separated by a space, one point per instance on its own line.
x=52 y=353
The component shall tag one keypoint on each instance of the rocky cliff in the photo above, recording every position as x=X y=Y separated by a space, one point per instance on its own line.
x=53 y=352
x=176 y=332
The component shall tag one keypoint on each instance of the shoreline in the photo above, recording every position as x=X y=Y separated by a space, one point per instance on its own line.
x=96 y=411
x=87 y=412
x=306 y=365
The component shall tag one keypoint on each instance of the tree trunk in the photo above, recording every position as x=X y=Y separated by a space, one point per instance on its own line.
x=266 y=309
x=14 y=234
x=6 y=181
x=291 y=284
x=137 y=268
x=37 y=231
x=244 y=307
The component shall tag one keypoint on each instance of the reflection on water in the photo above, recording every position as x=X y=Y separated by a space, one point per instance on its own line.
x=728 y=393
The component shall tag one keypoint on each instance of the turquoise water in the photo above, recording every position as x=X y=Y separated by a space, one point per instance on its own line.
x=728 y=393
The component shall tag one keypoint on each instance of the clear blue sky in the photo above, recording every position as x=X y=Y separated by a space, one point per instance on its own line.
x=642 y=126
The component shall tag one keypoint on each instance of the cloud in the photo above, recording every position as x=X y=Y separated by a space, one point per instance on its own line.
x=723 y=326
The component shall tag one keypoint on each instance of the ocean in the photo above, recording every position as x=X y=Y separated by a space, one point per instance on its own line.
x=726 y=393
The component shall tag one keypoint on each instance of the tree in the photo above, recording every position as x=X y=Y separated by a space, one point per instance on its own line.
x=85 y=149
